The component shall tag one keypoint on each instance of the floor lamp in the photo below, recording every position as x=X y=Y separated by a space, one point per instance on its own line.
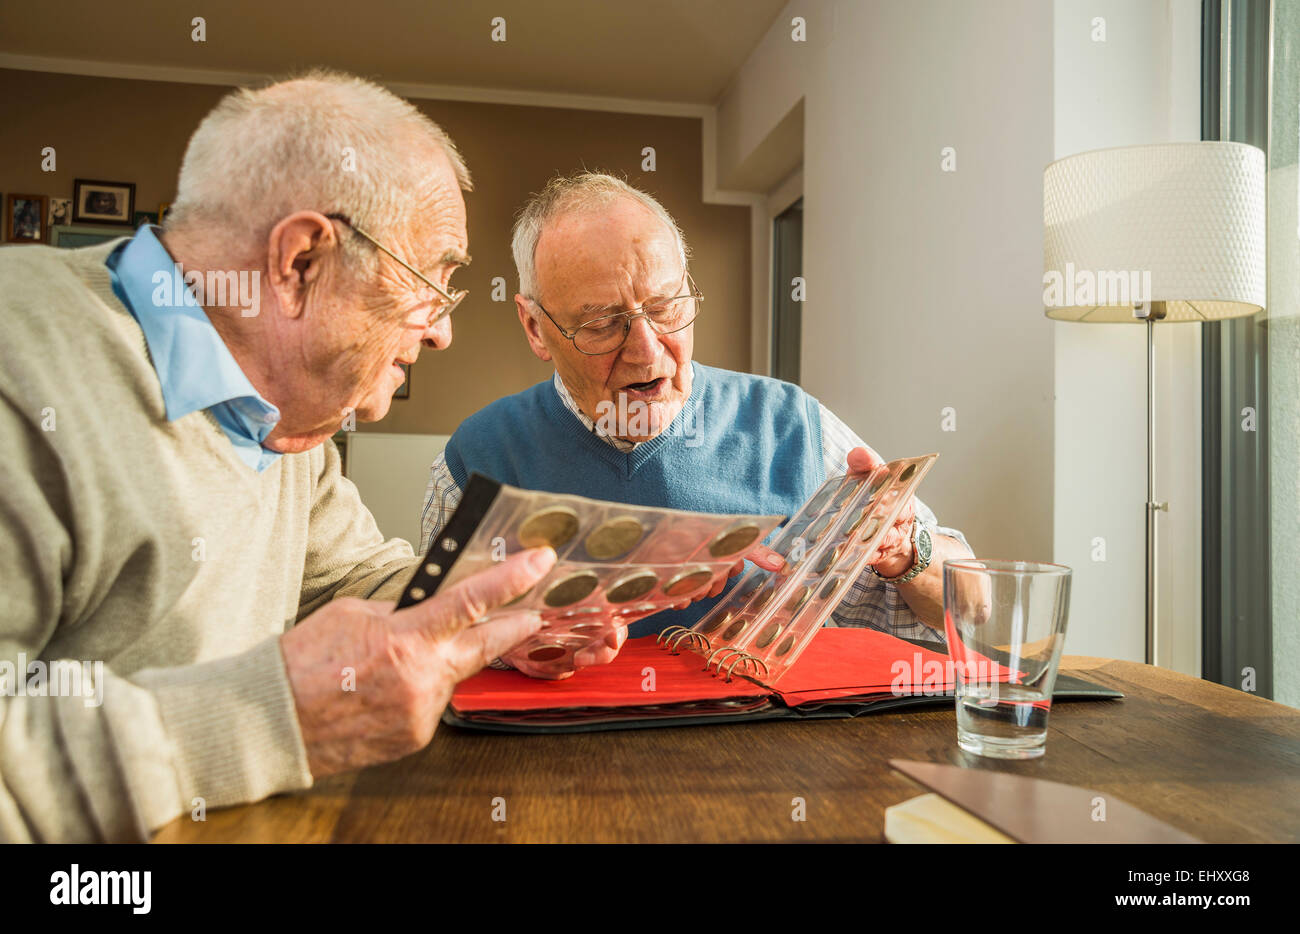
x=1154 y=234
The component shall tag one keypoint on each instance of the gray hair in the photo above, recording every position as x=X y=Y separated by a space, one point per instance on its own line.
x=583 y=192
x=326 y=141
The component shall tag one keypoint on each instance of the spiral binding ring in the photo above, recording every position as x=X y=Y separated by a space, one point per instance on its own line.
x=744 y=660
x=726 y=650
x=663 y=635
x=690 y=635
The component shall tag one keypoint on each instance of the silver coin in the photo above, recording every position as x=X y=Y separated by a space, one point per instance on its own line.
x=798 y=599
x=846 y=492
x=614 y=538
x=818 y=528
x=786 y=645
x=734 y=540
x=872 y=528
x=761 y=600
x=735 y=628
x=829 y=558
x=571 y=589
x=631 y=586
x=688 y=581
x=767 y=635
x=713 y=621
x=552 y=526
x=829 y=589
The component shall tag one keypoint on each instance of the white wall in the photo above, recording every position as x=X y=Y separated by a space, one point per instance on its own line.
x=924 y=286
x=1141 y=85
x=391 y=472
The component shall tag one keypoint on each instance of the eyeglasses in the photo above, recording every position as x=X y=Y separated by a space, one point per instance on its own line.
x=449 y=300
x=607 y=333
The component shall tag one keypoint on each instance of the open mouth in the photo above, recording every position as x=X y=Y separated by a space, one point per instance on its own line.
x=650 y=387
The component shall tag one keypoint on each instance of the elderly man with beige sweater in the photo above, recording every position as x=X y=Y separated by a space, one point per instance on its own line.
x=174 y=528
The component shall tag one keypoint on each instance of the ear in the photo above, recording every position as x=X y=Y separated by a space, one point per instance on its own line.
x=297 y=251
x=532 y=328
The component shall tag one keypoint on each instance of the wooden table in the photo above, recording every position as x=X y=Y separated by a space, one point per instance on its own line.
x=1215 y=762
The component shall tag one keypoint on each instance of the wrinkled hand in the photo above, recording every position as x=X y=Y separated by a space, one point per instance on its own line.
x=370 y=682
x=895 y=555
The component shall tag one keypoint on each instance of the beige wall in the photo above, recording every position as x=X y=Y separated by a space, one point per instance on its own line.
x=135 y=131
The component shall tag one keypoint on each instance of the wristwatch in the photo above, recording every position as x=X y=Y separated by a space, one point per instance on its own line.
x=923 y=546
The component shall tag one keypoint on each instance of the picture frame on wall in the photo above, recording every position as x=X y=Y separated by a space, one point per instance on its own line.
x=99 y=202
x=60 y=212
x=25 y=220
x=404 y=390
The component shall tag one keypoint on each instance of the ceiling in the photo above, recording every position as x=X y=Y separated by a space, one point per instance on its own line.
x=682 y=51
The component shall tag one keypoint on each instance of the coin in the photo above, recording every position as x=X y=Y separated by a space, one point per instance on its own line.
x=761 y=600
x=735 y=628
x=713 y=621
x=552 y=526
x=907 y=473
x=786 y=645
x=586 y=627
x=846 y=492
x=733 y=540
x=614 y=538
x=829 y=558
x=862 y=514
x=571 y=589
x=816 y=530
x=818 y=502
x=872 y=528
x=688 y=582
x=630 y=586
x=767 y=635
x=546 y=653
x=829 y=589
x=798 y=599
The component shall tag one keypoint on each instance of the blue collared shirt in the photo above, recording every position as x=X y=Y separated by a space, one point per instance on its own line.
x=195 y=368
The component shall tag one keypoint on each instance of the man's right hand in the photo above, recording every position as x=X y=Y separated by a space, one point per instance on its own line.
x=405 y=663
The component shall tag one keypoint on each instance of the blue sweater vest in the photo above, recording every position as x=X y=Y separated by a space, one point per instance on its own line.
x=741 y=444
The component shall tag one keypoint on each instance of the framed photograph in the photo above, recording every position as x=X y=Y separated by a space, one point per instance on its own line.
x=25 y=219
x=103 y=202
x=70 y=237
x=404 y=390
x=60 y=211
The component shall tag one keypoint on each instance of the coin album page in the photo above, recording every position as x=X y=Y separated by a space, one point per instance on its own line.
x=616 y=563
x=766 y=621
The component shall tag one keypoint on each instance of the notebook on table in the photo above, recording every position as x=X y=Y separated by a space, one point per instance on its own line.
x=841 y=673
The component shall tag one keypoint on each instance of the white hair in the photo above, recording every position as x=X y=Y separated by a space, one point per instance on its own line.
x=583 y=192
x=326 y=141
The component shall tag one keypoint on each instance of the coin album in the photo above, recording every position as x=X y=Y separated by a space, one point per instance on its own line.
x=616 y=563
x=763 y=625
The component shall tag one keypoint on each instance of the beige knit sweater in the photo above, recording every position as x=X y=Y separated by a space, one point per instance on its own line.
x=148 y=546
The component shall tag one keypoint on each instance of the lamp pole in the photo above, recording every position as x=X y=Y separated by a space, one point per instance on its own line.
x=1151 y=312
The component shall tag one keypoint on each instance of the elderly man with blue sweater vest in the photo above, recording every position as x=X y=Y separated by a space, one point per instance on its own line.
x=605 y=294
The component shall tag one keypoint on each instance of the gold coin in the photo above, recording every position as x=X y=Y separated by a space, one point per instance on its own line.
x=872 y=528
x=614 y=538
x=761 y=600
x=767 y=635
x=735 y=628
x=631 y=586
x=798 y=599
x=907 y=473
x=571 y=589
x=733 y=540
x=546 y=653
x=552 y=526
x=687 y=582
x=786 y=645
x=829 y=558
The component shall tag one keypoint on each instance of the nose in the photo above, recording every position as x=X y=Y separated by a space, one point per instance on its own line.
x=643 y=343
x=438 y=335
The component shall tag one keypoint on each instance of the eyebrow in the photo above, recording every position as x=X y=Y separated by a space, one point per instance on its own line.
x=454 y=257
x=610 y=309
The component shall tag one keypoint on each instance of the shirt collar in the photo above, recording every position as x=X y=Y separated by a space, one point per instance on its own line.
x=195 y=367
x=618 y=443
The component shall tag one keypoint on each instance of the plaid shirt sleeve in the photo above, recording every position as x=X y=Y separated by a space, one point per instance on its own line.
x=870 y=602
x=440 y=499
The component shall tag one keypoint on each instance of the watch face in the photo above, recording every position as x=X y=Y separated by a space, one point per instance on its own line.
x=924 y=546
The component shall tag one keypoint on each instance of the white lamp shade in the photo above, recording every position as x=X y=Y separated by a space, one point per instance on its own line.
x=1179 y=223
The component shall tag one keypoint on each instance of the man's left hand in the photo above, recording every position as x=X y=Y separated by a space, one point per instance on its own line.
x=895 y=554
